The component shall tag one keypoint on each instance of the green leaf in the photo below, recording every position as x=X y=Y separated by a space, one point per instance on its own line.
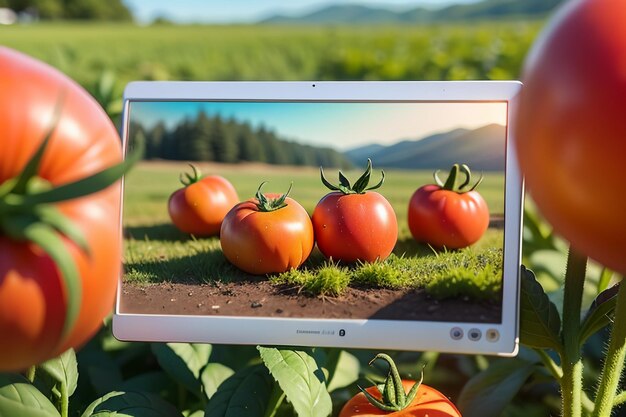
x=600 y=313
x=156 y=382
x=212 y=377
x=246 y=393
x=54 y=373
x=343 y=370
x=539 y=319
x=102 y=372
x=19 y=398
x=301 y=380
x=490 y=391
x=130 y=404
x=183 y=362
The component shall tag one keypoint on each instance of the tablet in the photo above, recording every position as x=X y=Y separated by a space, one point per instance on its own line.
x=429 y=293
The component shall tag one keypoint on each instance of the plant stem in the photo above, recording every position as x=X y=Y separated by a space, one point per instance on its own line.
x=619 y=399
x=555 y=370
x=30 y=373
x=614 y=361
x=65 y=401
x=572 y=380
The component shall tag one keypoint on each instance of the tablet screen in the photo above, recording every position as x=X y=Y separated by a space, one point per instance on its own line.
x=449 y=269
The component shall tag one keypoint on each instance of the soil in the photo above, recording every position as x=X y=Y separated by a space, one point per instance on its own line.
x=262 y=299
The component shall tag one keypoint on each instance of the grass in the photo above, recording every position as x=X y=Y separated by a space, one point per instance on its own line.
x=488 y=50
x=156 y=252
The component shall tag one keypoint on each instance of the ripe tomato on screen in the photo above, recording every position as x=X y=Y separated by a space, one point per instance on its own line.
x=448 y=214
x=569 y=127
x=353 y=223
x=271 y=233
x=200 y=206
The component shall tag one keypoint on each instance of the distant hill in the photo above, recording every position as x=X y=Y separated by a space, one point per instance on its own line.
x=357 y=14
x=482 y=149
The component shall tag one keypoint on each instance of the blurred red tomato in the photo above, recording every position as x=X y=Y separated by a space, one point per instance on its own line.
x=570 y=127
x=33 y=298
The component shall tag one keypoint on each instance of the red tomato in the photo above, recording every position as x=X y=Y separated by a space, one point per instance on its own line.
x=353 y=223
x=33 y=298
x=426 y=401
x=569 y=127
x=267 y=234
x=443 y=215
x=200 y=206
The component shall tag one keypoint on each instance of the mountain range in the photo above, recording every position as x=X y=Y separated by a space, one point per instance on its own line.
x=482 y=149
x=358 y=14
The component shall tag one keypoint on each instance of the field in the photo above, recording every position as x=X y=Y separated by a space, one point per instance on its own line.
x=156 y=253
x=439 y=52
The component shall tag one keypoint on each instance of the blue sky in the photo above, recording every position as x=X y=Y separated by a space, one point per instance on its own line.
x=338 y=125
x=239 y=11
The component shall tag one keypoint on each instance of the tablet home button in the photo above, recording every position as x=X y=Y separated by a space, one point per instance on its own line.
x=474 y=335
x=492 y=335
x=456 y=333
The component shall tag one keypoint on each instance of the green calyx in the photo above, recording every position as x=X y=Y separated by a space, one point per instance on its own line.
x=271 y=204
x=451 y=183
x=361 y=184
x=187 y=179
x=393 y=397
x=28 y=214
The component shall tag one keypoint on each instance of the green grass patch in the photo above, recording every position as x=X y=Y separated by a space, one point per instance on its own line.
x=328 y=280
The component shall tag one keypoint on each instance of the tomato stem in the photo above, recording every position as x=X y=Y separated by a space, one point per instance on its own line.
x=187 y=179
x=361 y=184
x=452 y=179
x=393 y=397
x=271 y=204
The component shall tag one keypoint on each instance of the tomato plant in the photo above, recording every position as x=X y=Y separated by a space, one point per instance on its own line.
x=59 y=250
x=268 y=234
x=448 y=214
x=570 y=130
x=200 y=206
x=392 y=398
x=353 y=222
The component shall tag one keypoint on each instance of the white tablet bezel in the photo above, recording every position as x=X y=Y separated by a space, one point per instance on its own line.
x=345 y=333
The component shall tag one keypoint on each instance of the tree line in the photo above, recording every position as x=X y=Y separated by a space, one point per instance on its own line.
x=214 y=138
x=71 y=9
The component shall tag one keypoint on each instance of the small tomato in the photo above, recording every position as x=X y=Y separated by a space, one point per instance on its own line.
x=569 y=127
x=399 y=398
x=353 y=223
x=200 y=206
x=444 y=215
x=268 y=234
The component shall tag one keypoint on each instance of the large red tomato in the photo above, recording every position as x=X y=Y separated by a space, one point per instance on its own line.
x=33 y=298
x=419 y=400
x=569 y=127
x=267 y=234
x=200 y=206
x=444 y=215
x=354 y=223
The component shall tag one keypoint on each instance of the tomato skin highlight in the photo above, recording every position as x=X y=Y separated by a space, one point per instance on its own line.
x=569 y=126
x=84 y=142
x=428 y=402
x=355 y=227
x=446 y=218
x=199 y=208
x=261 y=243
